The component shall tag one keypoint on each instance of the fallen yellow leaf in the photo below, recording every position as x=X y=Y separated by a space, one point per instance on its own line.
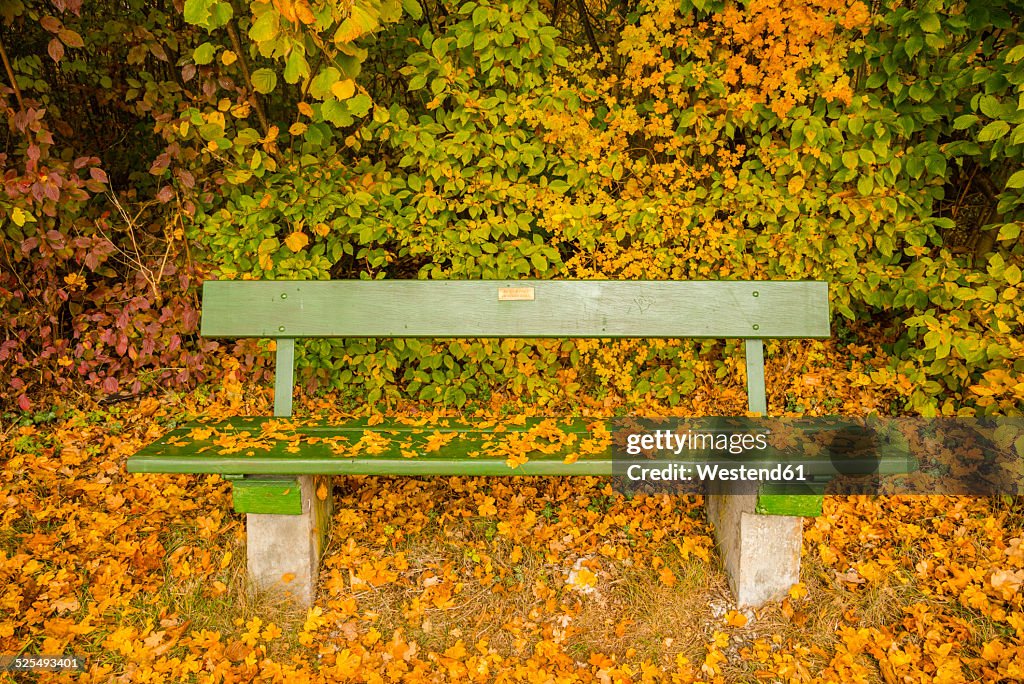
x=735 y=619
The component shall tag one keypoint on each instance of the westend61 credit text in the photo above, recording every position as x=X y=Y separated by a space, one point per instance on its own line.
x=731 y=443
x=709 y=472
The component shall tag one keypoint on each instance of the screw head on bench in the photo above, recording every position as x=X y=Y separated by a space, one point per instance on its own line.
x=284 y=295
x=280 y=328
x=756 y=327
x=756 y=293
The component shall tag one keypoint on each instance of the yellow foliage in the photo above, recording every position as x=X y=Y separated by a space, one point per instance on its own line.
x=297 y=241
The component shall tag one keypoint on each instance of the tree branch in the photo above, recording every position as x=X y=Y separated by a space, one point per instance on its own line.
x=253 y=96
x=10 y=76
x=582 y=6
x=426 y=13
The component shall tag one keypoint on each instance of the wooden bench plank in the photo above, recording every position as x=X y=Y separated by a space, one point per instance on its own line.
x=274 y=446
x=308 y=464
x=270 y=446
x=529 y=308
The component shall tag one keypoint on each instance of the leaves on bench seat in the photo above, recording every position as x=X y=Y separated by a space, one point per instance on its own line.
x=373 y=446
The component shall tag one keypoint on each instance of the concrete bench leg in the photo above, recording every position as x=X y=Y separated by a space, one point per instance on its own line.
x=284 y=551
x=761 y=553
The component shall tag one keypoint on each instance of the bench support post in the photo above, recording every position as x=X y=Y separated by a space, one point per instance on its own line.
x=761 y=553
x=283 y=551
x=284 y=376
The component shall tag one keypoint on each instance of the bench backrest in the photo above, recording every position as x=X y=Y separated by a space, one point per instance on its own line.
x=286 y=310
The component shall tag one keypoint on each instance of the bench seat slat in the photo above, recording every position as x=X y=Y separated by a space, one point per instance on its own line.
x=241 y=446
x=314 y=464
x=257 y=445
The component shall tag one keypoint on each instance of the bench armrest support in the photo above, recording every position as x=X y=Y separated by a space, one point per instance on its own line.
x=757 y=398
x=284 y=376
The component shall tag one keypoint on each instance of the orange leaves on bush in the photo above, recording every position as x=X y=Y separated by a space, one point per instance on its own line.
x=287 y=9
x=297 y=241
x=857 y=16
x=75 y=281
x=304 y=12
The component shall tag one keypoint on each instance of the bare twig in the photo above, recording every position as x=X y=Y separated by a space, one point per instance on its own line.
x=963 y=194
x=309 y=81
x=10 y=76
x=153 y=279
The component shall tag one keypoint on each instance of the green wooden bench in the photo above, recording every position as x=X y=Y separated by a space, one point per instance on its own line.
x=278 y=465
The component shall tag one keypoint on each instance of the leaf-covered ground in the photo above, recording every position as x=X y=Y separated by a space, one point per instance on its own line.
x=477 y=579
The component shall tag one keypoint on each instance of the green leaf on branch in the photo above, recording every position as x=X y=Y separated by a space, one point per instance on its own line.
x=197 y=11
x=930 y=23
x=336 y=112
x=296 y=68
x=320 y=87
x=412 y=8
x=990 y=107
x=1015 y=54
x=220 y=14
x=264 y=80
x=360 y=104
x=1009 y=231
x=965 y=121
x=266 y=27
x=360 y=22
x=994 y=131
x=204 y=53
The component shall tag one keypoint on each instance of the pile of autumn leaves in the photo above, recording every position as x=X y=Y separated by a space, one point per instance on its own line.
x=476 y=579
